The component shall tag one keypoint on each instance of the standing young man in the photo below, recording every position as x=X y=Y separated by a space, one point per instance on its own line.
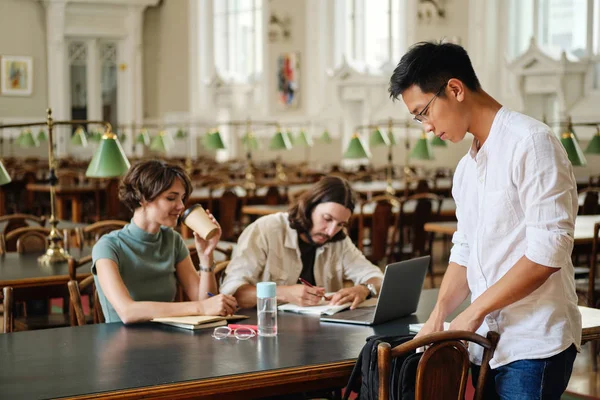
x=516 y=202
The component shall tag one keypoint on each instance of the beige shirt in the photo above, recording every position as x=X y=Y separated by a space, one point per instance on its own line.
x=268 y=250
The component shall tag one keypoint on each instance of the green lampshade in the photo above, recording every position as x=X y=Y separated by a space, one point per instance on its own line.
x=325 y=137
x=438 y=142
x=79 y=138
x=109 y=160
x=181 y=134
x=26 y=139
x=573 y=150
x=250 y=141
x=41 y=136
x=304 y=139
x=143 y=137
x=162 y=142
x=291 y=138
x=356 y=149
x=377 y=138
x=213 y=141
x=4 y=176
x=280 y=141
x=594 y=145
x=422 y=150
x=95 y=136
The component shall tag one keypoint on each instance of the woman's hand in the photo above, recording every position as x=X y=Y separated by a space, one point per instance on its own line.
x=221 y=304
x=206 y=247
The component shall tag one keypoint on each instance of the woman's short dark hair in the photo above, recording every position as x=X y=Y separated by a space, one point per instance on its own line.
x=328 y=189
x=148 y=179
x=429 y=65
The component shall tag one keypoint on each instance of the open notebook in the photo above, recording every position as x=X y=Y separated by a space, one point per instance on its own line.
x=323 y=308
x=194 y=322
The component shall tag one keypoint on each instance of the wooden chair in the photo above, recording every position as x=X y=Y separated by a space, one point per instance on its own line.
x=589 y=289
x=96 y=230
x=383 y=227
x=591 y=203
x=443 y=370
x=14 y=221
x=75 y=289
x=88 y=288
x=413 y=240
x=229 y=209
x=8 y=317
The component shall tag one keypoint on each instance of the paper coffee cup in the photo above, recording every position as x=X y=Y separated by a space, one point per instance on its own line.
x=197 y=220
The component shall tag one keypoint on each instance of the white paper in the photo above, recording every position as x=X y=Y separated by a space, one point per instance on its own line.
x=415 y=328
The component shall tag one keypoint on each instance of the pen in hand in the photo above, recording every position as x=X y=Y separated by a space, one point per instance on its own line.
x=310 y=285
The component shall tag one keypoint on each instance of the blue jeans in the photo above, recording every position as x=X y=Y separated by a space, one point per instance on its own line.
x=542 y=379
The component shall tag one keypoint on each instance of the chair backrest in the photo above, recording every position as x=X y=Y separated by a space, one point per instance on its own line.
x=29 y=239
x=14 y=221
x=443 y=370
x=591 y=291
x=428 y=207
x=383 y=227
x=273 y=197
x=229 y=203
x=8 y=317
x=591 y=203
x=75 y=289
x=97 y=230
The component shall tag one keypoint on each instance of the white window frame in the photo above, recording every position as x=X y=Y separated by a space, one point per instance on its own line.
x=350 y=41
x=539 y=29
x=227 y=68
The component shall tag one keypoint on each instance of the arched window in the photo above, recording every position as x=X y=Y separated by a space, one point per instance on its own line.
x=572 y=26
x=368 y=35
x=238 y=38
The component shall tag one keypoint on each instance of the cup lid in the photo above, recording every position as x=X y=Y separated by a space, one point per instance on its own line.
x=265 y=289
x=188 y=211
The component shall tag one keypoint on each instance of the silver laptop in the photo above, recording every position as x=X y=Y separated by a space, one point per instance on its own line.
x=398 y=297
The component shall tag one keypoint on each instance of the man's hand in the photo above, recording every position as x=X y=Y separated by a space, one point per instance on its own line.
x=432 y=325
x=302 y=295
x=468 y=320
x=355 y=295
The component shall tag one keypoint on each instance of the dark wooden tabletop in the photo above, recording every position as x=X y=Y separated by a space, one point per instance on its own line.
x=98 y=360
x=24 y=270
x=158 y=361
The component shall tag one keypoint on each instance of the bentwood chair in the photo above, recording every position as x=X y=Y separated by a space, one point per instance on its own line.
x=8 y=317
x=91 y=233
x=75 y=289
x=443 y=369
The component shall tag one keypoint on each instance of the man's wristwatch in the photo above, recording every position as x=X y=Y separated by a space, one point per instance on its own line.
x=207 y=269
x=372 y=290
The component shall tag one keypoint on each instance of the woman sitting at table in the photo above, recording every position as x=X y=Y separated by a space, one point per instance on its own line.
x=137 y=268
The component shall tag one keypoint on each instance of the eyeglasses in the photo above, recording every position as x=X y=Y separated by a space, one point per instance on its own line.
x=421 y=117
x=223 y=332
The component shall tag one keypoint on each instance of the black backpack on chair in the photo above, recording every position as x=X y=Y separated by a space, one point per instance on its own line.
x=403 y=371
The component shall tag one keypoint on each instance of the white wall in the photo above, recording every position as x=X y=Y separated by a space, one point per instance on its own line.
x=166 y=59
x=23 y=33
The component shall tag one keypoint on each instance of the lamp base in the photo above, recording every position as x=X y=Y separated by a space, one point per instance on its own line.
x=389 y=189
x=54 y=255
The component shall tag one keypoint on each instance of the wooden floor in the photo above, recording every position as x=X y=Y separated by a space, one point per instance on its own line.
x=584 y=381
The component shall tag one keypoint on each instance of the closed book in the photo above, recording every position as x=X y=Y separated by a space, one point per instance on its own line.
x=194 y=322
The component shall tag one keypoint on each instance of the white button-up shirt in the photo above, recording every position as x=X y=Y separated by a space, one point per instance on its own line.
x=267 y=250
x=517 y=196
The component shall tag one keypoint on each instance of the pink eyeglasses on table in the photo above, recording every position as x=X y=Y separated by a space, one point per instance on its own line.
x=239 y=331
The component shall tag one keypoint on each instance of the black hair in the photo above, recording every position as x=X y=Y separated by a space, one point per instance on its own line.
x=430 y=65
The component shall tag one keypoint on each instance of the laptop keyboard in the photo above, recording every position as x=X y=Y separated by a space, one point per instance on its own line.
x=358 y=314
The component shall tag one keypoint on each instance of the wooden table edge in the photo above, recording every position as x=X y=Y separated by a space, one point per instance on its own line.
x=45 y=281
x=231 y=384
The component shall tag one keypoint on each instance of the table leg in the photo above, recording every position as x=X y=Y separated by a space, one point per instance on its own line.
x=60 y=207
x=76 y=209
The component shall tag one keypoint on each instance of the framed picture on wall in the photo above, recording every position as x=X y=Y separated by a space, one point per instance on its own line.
x=16 y=74
x=288 y=73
